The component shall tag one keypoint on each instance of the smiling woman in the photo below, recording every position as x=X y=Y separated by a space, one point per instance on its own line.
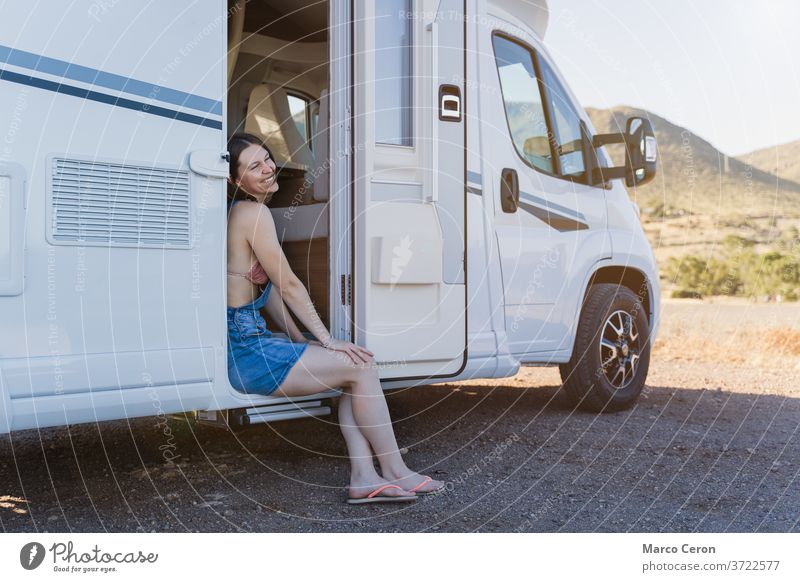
x=278 y=92
x=258 y=173
x=253 y=180
x=259 y=363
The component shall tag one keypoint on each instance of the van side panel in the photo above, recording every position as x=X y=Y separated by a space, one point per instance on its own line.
x=629 y=248
x=124 y=246
x=632 y=249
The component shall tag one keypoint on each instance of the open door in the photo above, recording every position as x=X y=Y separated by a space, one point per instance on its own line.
x=409 y=201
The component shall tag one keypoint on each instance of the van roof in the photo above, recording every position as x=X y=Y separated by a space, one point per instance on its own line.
x=534 y=13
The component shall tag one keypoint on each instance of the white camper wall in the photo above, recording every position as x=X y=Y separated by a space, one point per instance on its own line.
x=122 y=312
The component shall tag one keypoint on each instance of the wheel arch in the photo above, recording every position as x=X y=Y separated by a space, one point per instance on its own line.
x=632 y=278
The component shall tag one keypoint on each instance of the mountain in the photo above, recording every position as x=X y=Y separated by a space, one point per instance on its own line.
x=782 y=160
x=695 y=177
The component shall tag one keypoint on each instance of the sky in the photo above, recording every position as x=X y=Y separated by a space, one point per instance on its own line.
x=729 y=71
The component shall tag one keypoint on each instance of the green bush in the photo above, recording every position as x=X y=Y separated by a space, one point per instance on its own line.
x=739 y=271
x=733 y=241
x=686 y=294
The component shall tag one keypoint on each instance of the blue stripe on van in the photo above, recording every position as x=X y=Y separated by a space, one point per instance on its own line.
x=556 y=221
x=108 y=99
x=83 y=74
x=550 y=206
x=476 y=178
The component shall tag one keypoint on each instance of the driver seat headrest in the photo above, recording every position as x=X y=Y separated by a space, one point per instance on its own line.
x=269 y=116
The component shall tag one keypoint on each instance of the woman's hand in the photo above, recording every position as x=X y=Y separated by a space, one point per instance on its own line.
x=358 y=354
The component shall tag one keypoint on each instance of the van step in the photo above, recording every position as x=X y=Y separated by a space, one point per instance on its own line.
x=281 y=409
x=272 y=416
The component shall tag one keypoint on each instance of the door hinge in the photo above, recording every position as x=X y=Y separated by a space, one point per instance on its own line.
x=346 y=287
x=346 y=136
x=349 y=290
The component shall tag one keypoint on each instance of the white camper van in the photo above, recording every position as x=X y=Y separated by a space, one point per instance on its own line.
x=443 y=196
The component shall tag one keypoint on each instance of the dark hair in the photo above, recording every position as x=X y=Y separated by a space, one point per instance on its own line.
x=237 y=143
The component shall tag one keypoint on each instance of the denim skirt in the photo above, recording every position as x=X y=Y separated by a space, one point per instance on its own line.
x=258 y=362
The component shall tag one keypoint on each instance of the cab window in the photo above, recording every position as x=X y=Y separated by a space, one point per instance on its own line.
x=545 y=126
x=523 y=103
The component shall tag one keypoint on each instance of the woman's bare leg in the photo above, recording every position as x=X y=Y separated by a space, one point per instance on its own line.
x=320 y=369
x=372 y=413
x=357 y=445
x=363 y=477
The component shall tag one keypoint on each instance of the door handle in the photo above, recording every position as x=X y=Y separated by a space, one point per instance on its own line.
x=509 y=190
x=209 y=163
x=450 y=103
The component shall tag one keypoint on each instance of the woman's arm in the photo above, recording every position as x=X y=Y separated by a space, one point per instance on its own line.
x=276 y=309
x=259 y=228
x=261 y=235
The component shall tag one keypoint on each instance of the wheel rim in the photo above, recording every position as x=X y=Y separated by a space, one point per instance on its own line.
x=620 y=349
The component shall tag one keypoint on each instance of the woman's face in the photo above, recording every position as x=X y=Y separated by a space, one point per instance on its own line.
x=257 y=174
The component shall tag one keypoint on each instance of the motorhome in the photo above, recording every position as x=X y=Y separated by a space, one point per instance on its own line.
x=443 y=196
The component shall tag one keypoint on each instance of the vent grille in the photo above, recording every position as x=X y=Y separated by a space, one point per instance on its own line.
x=115 y=204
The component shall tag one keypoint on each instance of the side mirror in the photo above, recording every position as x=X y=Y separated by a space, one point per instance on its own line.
x=640 y=154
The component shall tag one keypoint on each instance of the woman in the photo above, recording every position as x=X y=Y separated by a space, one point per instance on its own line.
x=261 y=364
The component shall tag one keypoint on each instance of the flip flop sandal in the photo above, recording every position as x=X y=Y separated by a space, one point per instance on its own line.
x=374 y=497
x=425 y=482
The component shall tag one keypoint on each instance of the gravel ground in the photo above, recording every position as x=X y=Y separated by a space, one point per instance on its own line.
x=709 y=447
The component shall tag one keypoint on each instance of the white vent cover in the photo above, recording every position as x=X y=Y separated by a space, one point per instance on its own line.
x=115 y=204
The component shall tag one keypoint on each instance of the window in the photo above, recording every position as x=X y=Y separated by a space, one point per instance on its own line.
x=567 y=125
x=314 y=120
x=523 y=103
x=305 y=115
x=298 y=108
x=546 y=133
x=393 y=81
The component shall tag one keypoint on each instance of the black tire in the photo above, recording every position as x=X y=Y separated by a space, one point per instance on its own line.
x=605 y=378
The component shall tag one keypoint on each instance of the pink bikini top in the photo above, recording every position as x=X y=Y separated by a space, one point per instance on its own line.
x=256 y=274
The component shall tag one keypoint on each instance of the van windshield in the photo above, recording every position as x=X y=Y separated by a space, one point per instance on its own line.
x=566 y=124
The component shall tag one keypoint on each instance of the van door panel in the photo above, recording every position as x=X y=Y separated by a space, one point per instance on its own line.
x=559 y=229
x=410 y=217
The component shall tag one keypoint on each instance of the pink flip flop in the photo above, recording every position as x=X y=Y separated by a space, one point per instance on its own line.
x=425 y=482
x=375 y=496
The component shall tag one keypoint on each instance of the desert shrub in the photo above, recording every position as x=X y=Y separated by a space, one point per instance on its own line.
x=739 y=271
x=734 y=241
x=654 y=208
x=704 y=276
x=789 y=240
x=686 y=294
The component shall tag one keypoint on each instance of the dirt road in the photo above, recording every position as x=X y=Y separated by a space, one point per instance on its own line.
x=710 y=446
